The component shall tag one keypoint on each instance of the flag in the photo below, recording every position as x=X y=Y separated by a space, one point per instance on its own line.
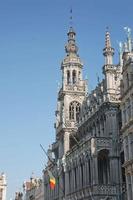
x=52 y=180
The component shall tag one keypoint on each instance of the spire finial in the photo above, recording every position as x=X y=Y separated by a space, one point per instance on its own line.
x=107 y=38
x=107 y=29
x=71 y=17
x=98 y=78
x=128 y=32
x=129 y=38
x=108 y=51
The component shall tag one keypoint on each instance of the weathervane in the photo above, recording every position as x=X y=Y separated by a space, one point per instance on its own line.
x=71 y=17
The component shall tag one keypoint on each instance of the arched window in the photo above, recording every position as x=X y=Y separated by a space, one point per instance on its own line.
x=68 y=77
x=74 y=76
x=74 y=111
x=103 y=167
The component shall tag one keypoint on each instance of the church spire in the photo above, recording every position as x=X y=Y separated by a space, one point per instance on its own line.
x=71 y=65
x=108 y=51
x=71 y=47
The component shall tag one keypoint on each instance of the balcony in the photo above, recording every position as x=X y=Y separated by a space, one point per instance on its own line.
x=101 y=191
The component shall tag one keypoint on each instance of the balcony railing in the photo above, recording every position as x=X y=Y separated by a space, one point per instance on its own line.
x=95 y=190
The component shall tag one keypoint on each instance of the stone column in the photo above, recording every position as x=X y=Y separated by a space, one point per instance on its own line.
x=102 y=128
x=105 y=129
x=71 y=79
x=66 y=183
x=93 y=131
x=132 y=106
x=85 y=173
x=132 y=183
x=126 y=148
x=108 y=124
x=80 y=180
x=97 y=134
x=129 y=188
x=66 y=142
x=114 y=170
x=89 y=172
x=61 y=189
x=76 y=183
x=129 y=144
x=72 y=180
x=95 y=170
x=78 y=177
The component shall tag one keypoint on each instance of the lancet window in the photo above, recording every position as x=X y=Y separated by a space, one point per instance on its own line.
x=74 y=76
x=74 y=111
x=68 y=77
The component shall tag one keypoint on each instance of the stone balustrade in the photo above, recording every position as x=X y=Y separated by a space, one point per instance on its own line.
x=95 y=190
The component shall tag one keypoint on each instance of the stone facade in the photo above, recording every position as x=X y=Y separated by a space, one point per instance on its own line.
x=92 y=157
x=127 y=112
x=18 y=196
x=3 y=186
x=33 y=190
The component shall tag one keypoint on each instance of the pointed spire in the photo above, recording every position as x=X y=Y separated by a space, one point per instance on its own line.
x=108 y=51
x=71 y=17
x=71 y=47
x=121 y=47
x=107 y=39
x=129 y=40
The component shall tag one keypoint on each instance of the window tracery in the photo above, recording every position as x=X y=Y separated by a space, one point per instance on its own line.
x=74 y=111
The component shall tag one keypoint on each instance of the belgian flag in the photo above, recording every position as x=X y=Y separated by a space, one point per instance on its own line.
x=52 y=180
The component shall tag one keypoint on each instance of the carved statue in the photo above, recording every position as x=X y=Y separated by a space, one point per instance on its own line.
x=125 y=47
x=128 y=31
x=120 y=47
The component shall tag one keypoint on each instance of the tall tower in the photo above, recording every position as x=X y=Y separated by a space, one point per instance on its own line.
x=70 y=96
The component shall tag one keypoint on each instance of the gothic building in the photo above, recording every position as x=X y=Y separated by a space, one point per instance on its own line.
x=32 y=190
x=93 y=150
x=127 y=112
x=18 y=196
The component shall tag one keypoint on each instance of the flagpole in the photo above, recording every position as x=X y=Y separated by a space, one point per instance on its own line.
x=55 y=164
x=47 y=155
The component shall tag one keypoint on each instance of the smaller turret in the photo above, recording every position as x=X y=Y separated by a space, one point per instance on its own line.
x=129 y=40
x=71 y=65
x=112 y=72
x=120 y=53
x=108 y=51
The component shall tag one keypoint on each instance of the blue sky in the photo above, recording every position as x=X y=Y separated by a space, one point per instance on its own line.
x=32 y=40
